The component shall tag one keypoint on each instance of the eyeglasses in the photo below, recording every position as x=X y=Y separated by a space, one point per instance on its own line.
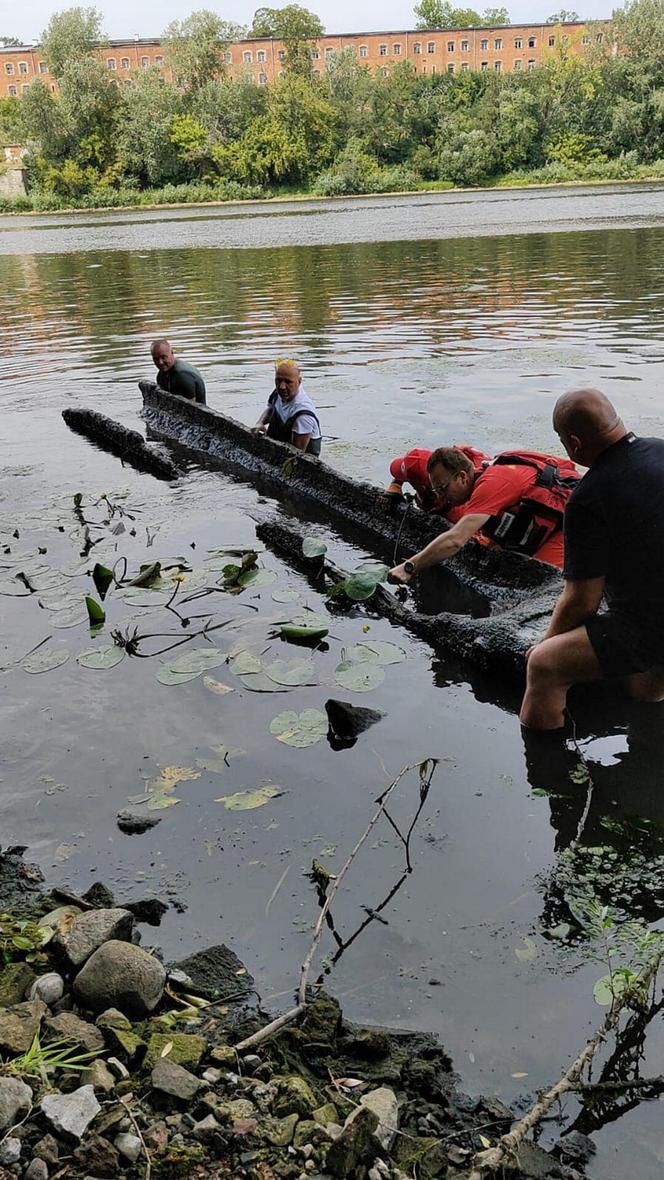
x=440 y=489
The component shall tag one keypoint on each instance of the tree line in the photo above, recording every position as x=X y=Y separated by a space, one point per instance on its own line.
x=197 y=135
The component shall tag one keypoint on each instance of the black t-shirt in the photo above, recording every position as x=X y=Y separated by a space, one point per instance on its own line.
x=614 y=527
x=184 y=380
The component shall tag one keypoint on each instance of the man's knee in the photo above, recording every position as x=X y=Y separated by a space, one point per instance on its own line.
x=542 y=665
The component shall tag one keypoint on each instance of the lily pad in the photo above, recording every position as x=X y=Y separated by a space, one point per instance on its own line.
x=14 y=589
x=166 y=675
x=286 y=595
x=70 y=616
x=45 y=659
x=248 y=800
x=291 y=672
x=100 y=658
x=310 y=618
x=256 y=578
x=259 y=682
x=359 y=677
x=360 y=586
x=199 y=660
x=314 y=547
x=245 y=662
x=299 y=729
x=370 y=651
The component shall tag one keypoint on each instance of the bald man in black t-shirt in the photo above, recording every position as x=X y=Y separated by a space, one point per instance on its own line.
x=614 y=550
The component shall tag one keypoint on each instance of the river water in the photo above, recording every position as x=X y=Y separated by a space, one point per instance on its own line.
x=418 y=321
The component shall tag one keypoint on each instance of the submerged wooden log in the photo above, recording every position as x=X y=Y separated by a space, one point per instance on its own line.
x=128 y=445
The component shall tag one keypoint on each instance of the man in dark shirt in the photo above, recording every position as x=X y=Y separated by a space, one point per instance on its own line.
x=614 y=550
x=177 y=376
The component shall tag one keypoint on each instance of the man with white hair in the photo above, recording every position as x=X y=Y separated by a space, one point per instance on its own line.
x=290 y=415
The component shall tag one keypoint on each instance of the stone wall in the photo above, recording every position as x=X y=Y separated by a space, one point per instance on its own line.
x=13 y=182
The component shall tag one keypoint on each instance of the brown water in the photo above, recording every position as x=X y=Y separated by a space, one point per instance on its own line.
x=403 y=342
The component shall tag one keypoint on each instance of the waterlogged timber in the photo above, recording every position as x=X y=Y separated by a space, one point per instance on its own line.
x=403 y=343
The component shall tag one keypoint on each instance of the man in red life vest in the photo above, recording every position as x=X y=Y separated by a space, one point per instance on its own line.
x=412 y=468
x=516 y=502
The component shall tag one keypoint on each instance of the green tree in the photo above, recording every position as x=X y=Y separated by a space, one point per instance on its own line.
x=69 y=36
x=145 y=149
x=296 y=27
x=11 y=126
x=88 y=106
x=41 y=120
x=440 y=14
x=11 y=42
x=466 y=155
x=496 y=17
x=639 y=29
x=350 y=87
x=194 y=47
x=227 y=108
x=563 y=17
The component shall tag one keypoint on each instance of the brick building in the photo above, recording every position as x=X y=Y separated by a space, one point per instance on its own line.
x=506 y=48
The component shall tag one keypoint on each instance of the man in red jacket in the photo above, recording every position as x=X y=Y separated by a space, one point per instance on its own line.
x=412 y=468
x=516 y=502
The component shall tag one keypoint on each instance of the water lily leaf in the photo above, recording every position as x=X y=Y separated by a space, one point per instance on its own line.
x=14 y=589
x=244 y=662
x=248 y=800
x=145 y=598
x=299 y=729
x=314 y=547
x=221 y=762
x=259 y=682
x=286 y=595
x=359 y=677
x=527 y=952
x=60 y=602
x=360 y=586
x=216 y=686
x=370 y=651
x=199 y=660
x=159 y=794
x=291 y=672
x=256 y=578
x=70 y=616
x=96 y=613
x=309 y=618
x=167 y=676
x=45 y=659
x=102 y=578
x=376 y=569
x=292 y=632
x=562 y=930
x=100 y=658
x=147 y=575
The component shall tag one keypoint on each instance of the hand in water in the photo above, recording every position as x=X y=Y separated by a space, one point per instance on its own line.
x=259 y=429
x=398 y=576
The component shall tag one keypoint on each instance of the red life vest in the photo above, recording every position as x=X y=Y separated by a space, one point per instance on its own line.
x=528 y=524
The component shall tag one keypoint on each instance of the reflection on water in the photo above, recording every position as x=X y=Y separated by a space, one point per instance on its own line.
x=403 y=343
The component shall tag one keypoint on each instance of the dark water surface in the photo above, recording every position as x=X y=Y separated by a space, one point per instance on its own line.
x=403 y=342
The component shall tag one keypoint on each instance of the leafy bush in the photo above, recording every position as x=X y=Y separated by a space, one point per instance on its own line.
x=355 y=171
x=467 y=157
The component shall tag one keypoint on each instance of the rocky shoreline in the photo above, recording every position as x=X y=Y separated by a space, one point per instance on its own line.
x=113 y=1063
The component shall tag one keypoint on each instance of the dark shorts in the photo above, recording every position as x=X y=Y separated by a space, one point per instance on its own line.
x=623 y=646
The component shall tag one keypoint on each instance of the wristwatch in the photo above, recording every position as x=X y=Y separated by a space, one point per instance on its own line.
x=409 y=567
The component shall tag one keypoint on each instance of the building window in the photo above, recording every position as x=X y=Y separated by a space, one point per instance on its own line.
x=12 y=91
x=498 y=43
x=113 y=83
x=450 y=67
x=517 y=64
x=450 y=46
x=531 y=64
x=484 y=44
x=228 y=57
x=9 y=67
x=464 y=67
x=431 y=46
x=43 y=68
x=552 y=41
x=262 y=78
x=145 y=62
x=159 y=61
x=315 y=55
x=497 y=65
x=599 y=37
x=127 y=82
x=329 y=50
x=260 y=56
x=484 y=65
x=417 y=47
x=110 y=62
x=464 y=47
x=247 y=56
x=23 y=67
x=125 y=63
x=363 y=51
x=282 y=55
x=585 y=40
x=382 y=50
x=433 y=69
x=532 y=42
x=396 y=50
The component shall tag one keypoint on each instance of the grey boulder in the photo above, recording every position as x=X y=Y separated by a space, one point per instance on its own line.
x=68 y=1027
x=174 y=1080
x=15 y=1101
x=37 y=1170
x=120 y=975
x=19 y=1026
x=10 y=1152
x=383 y=1102
x=48 y=988
x=91 y=930
x=71 y=1114
x=128 y=1145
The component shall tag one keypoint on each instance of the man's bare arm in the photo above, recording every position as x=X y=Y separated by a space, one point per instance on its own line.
x=579 y=601
x=444 y=546
x=259 y=428
x=301 y=441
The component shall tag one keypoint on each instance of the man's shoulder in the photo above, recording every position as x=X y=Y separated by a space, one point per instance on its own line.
x=181 y=366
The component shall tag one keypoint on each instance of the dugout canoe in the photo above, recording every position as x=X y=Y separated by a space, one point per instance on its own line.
x=502 y=600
